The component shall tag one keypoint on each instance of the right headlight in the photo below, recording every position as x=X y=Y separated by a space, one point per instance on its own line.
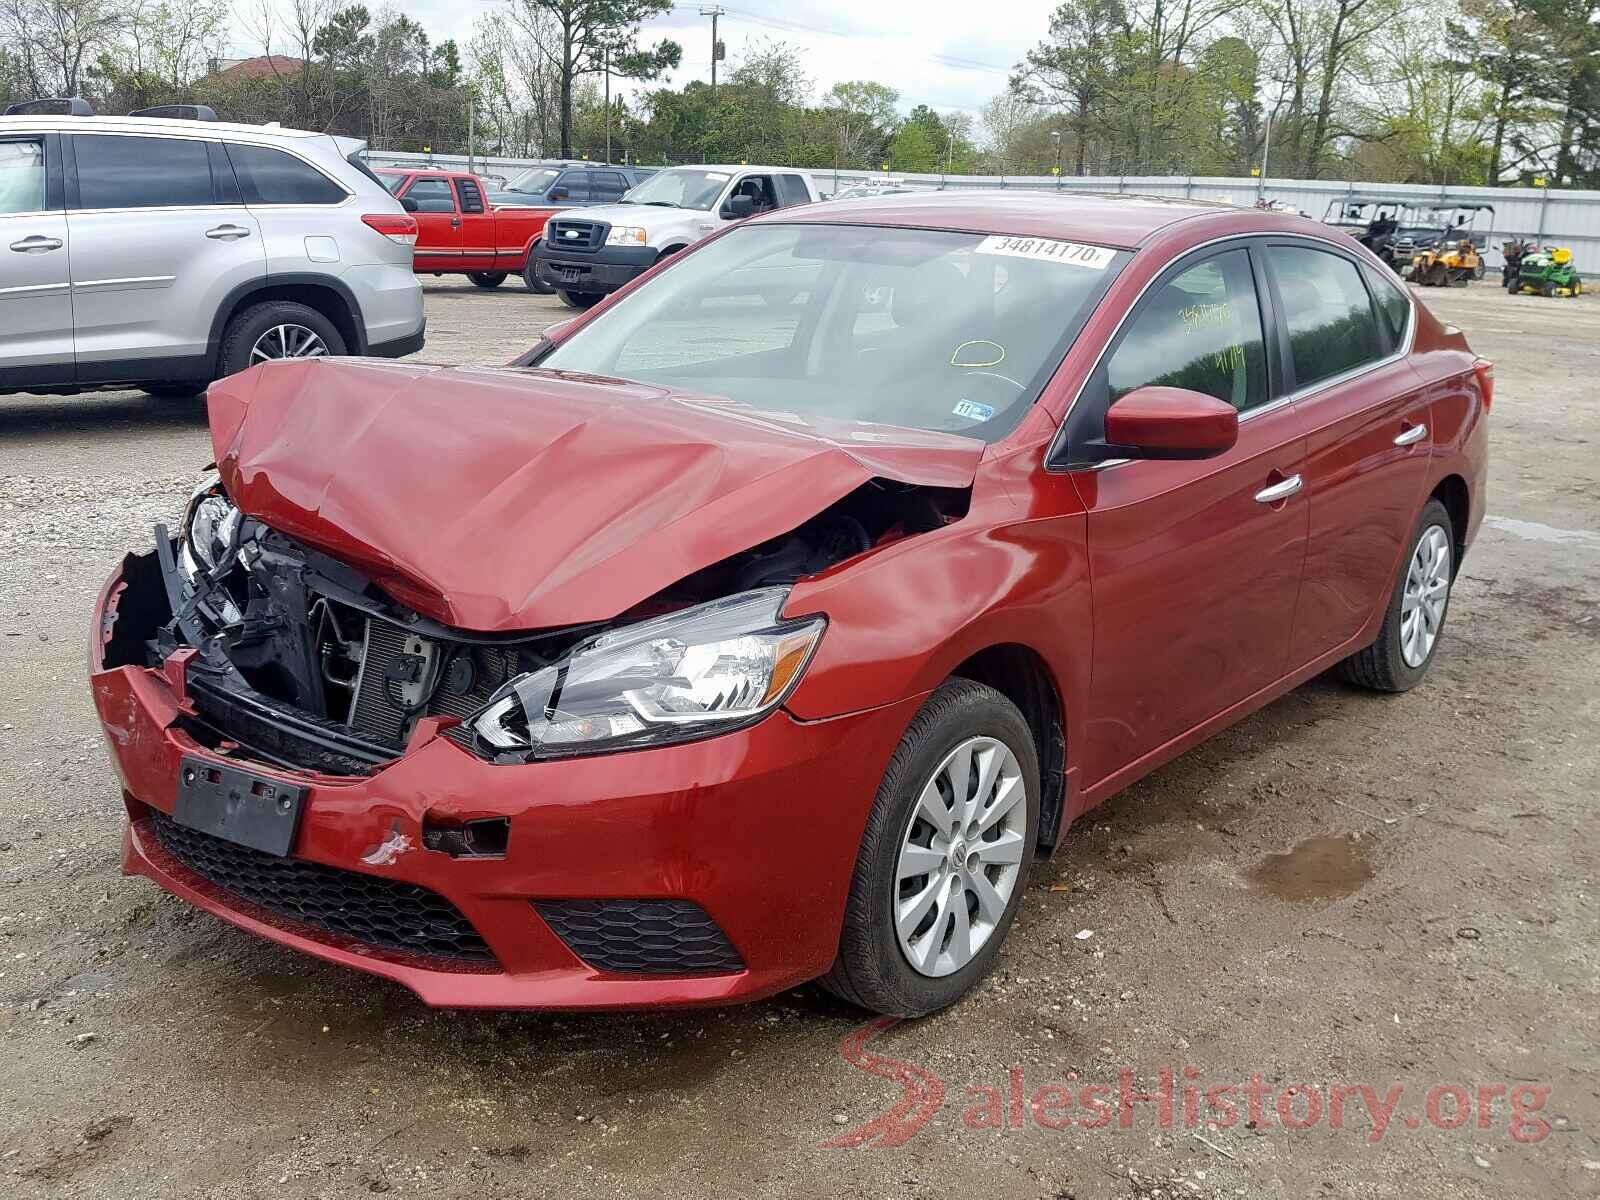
x=626 y=235
x=689 y=675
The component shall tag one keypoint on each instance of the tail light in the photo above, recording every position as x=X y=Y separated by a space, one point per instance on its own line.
x=1483 y=368
x=397 y=227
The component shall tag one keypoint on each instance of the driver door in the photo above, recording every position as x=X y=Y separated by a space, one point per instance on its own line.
x=1195 y=564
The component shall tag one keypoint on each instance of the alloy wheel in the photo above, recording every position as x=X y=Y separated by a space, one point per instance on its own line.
x=1426 y=593
x=288 y=341
x=960 y=856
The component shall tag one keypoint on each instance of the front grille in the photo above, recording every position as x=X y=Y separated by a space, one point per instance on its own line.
x=590 y=235
x=642 y=937
x=377 y=912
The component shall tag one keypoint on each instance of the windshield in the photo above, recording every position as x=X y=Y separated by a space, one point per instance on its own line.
x=951 y=332
x=681 y=188
x=534 y=181
x=392 y=182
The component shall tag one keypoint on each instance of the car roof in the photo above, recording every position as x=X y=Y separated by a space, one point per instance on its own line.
x=1119 y=220
x=735 y=168
x=64 y=124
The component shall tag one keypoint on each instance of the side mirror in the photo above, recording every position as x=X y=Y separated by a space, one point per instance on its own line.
x=560 y=193
x=1167 y=422
x=410 y=205
x=737 y=208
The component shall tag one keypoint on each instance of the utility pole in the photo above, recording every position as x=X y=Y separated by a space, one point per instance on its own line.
x=608 y=104
x=472 y=115
x=717 y=49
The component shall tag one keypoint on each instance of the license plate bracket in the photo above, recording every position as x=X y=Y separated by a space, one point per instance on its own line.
x=238 y=806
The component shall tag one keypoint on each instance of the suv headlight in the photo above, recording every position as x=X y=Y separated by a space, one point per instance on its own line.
x=625 y=235
x=689 y=675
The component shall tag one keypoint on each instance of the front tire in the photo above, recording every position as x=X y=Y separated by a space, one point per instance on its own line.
x=531 y=280
x=581 y=300
x=1414 y=623
x=486 y=279
x=944 y=860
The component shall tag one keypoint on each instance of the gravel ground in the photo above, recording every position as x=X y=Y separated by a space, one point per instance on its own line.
x=1344 y=890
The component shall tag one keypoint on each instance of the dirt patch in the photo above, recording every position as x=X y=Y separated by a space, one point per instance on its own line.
x=1319 y=868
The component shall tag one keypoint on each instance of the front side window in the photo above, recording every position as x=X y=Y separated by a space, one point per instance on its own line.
x=930 y=330
x=392 y=183
x=575 y=184
x=21 y=177
x=681 y=187
x=1200 y=331
x=268 y=176
x=432 y=196
x=123 y=171
x=607 y=185
x=1327 y=311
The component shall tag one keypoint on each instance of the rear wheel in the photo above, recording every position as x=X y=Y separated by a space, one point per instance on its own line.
x=1414 y=622
x=277 y=329
x=944 y=860
x=581 y=299
x=487 y=279
x=1548 y=288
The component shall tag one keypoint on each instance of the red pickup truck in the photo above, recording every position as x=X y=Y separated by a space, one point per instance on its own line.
x=460 y=233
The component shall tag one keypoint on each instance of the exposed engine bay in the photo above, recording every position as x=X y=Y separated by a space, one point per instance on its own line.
x=303 y=662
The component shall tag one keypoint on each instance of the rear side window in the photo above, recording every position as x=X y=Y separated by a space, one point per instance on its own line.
x=792 y=190
x=576 y=185
x=607 y=185
x=471 y=197
x=141 y=172
x=1201 y=331
x=432 y=196
x=21 y=177
x=268 y=176
x=1394 y=306
x=1327 y=311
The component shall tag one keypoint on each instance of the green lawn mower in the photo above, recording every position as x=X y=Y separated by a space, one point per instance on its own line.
x=1549 y=273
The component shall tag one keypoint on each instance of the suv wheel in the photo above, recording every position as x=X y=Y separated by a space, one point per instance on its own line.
x=581 y=299
x=944 y=859
x=487 y=279
x=277 y=329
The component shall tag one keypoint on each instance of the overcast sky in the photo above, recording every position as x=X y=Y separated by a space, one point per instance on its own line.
x=945 y=53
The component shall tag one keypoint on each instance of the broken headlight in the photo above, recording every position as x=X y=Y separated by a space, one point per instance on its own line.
x=676 y=678
x=210 y=529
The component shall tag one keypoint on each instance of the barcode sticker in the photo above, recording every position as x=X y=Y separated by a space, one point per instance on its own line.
x=1096 y=258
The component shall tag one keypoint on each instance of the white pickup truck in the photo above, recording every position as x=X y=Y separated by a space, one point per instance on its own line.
x=587 y=253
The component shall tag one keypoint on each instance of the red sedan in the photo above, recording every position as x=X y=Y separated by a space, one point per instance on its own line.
x=767 y=621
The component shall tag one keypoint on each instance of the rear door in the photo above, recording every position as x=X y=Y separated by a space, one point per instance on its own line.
x=35 y=282
x=607 y=187
x=477 y=226
x=1368 y=441
x=1195 y=565
x=438 y=224
x=160 y=238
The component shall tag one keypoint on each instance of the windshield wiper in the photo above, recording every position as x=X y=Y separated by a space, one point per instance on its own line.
x=658 y=203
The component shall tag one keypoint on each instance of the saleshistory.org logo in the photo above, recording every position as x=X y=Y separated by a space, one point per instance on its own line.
x=1179 y=1099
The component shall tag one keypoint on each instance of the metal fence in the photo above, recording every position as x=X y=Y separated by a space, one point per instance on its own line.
x=1567 y=218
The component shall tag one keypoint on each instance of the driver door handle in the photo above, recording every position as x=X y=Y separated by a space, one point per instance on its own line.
x=1410 y=436
x=227 y=233
x=1279 y=491
x=37 y=244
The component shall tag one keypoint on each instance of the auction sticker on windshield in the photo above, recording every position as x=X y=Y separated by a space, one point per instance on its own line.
x=1096 y=258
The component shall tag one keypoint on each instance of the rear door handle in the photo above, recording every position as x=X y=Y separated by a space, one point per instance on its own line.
x=227 y=233
x=37 y=244
x=1279 y=491
x=1410 y=436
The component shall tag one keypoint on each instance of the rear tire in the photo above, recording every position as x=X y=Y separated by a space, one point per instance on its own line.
x=873 y=969
x=1384 y=665
x=248 y=327
x=581 y=299
x=487 y=279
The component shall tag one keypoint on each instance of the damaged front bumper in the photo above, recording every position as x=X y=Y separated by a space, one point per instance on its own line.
x=699 y=873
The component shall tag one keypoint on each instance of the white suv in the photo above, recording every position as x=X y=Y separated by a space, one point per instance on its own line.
x=164 y=253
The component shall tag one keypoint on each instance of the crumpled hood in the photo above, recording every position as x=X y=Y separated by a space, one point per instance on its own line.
x=496 y=499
